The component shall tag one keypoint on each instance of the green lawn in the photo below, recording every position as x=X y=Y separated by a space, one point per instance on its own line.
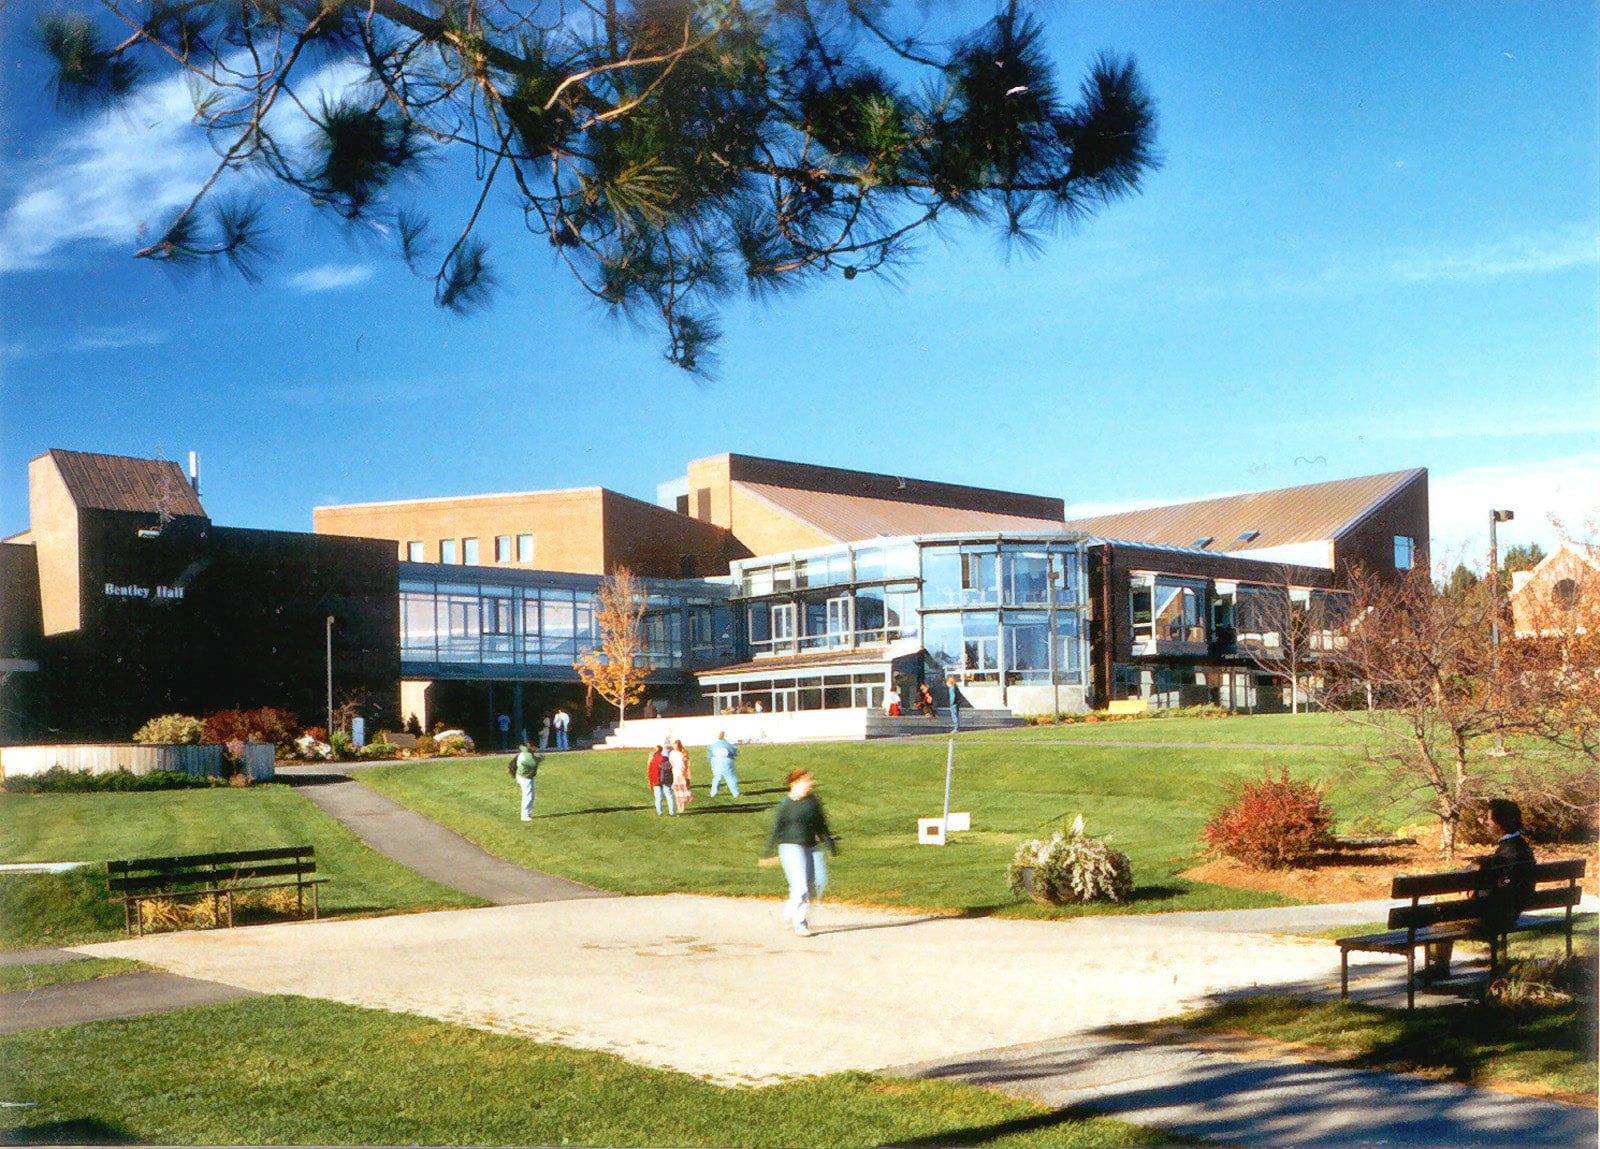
x=594 y=821
x=1242 y=729
x=14 y=978
x=59 y=909
x=288 y=1070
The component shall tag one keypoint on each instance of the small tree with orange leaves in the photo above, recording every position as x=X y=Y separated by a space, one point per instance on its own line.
x=616 y=668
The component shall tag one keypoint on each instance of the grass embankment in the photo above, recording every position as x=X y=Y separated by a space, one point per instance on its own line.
x=287 y=1070
x=62 y=909
x=1545 y=1047
x=1238 y=730
x=15 y=978
x=594 y=821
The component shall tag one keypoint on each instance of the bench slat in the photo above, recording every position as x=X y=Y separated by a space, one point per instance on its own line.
x=1432 y=885
x=222 y=877
x=224 y=857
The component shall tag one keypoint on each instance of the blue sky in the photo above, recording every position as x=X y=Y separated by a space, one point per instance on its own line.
x=1374 y=244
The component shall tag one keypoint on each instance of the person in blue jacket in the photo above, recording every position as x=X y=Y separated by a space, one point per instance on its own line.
x=721 y=754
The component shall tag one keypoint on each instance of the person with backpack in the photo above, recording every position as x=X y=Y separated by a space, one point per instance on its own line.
x=525 y=768
x=659 y=773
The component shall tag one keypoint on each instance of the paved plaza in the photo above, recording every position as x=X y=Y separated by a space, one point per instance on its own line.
x=714 y=986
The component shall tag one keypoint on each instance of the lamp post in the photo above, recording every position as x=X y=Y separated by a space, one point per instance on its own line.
x=1495 y=519
x=330 y=675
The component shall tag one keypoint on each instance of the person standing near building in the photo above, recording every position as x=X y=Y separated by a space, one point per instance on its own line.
x=925 y=700
x=527 y=771
x=720 y=754
x=544 y=733
x=504 y=722
x=562 y=721
x=660 y=778
x=892 y=702
x=678 y=759
x=799 y=835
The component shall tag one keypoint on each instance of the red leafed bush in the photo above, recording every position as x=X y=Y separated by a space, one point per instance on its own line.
x=267 y=724
x=1272 y=824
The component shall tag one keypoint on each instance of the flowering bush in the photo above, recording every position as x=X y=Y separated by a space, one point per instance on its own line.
x=1272 y=824
x=1070 y=868
x=268 y=724
x=170 y=730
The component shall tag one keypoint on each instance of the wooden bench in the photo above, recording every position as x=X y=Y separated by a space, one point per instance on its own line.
x=217 y=876
x=1437 y=925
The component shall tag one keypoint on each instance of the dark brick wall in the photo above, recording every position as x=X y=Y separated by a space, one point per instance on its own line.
x=1370 y=543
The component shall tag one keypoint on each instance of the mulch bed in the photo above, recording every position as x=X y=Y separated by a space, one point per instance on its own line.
x=1365 y=875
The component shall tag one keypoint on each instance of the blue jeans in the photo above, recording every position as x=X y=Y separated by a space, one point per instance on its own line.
x=527 y=797
x=725 y=775
x=665 y=792
x=561 y=738
x=807 y=872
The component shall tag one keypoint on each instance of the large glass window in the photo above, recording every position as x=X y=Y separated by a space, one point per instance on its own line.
x=900 y=612
x=1025 y=575
x=980 y=634
x=869 y=614
x=1179 y=611
x=980 y=575
x=941 y=576
x=941 y=638
x=1027 y=647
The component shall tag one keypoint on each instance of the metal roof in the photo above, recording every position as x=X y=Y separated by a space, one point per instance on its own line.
x=120 y=483
x=857 y=518
x=1312 y=513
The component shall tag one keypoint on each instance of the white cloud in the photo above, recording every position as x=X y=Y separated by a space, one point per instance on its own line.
x=111 y=179
x=330 y=277
x=1459 y=505
x=88 y=339
x=1515 y=255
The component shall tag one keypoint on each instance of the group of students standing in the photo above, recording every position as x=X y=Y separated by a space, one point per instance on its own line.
x=670 y=773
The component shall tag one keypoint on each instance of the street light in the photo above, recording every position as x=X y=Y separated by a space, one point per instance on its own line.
x=330 y=675
x=1495 y=519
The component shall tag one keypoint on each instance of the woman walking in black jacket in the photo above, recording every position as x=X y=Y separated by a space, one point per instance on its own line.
x=799 y=833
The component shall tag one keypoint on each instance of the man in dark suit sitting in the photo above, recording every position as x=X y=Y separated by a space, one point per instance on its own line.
x=1511 y=865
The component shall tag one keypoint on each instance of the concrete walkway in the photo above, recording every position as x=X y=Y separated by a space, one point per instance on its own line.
x=1264 y=1102
x=104 y=998
x=422 y=845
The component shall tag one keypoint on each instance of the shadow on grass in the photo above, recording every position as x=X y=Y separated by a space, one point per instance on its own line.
x=597 y=810
x=982 y=1134
x=732 y=808
x=80 y=1131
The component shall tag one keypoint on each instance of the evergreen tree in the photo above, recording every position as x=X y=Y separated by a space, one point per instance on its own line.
x=672 y=152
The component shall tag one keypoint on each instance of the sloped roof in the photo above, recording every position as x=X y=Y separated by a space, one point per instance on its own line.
x=1312 y=513
x=120 y=483
x=855 y=518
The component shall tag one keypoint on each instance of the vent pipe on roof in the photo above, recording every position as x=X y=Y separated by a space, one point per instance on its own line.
x=194 y=471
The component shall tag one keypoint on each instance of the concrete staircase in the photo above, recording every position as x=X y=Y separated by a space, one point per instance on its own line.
x=880 y=725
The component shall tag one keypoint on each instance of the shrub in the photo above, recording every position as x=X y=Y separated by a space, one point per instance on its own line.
x=1557 y=806
x=58 y=780
x=170 y=729
x=343 y=748
x=1070 y=868
x=317 y=733
x=268 y=724
x=413 y=726
x=425 y=747
x=379 y=750
x=1272 y=824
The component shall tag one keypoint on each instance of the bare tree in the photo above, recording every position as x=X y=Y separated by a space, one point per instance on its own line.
x=1552 y=663
x=1424 y=658
x=1279 y=629
x=616 y=669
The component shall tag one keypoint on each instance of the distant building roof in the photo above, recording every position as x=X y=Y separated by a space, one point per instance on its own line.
x=1255 y=521
x=855 y=518
x=121 y=483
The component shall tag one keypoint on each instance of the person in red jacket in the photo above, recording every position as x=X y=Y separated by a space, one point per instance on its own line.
x=659 y=786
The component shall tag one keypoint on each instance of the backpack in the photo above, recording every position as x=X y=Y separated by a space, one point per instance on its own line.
x=666 y=771
x=512 y=765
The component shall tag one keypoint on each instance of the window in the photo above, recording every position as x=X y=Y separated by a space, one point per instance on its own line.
x=702 y=504
x=783 y=622
x=1566 y=594
x=682 y=504
x=447 y=550
x=524 y=548
x=502 y=548
x=469 y=552
x=1404 y=552
x=414 y=553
